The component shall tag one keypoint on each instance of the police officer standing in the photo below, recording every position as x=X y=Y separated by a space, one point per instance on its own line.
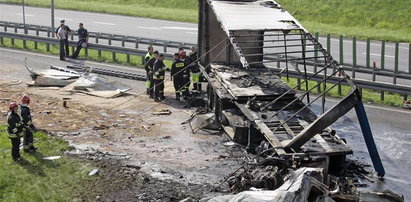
x=177 y=72
x=149 y=72
x=82 y=39
x=63 y=33
x=194 y=68
x=27 y=124
x=158 y=78
x=14 y=129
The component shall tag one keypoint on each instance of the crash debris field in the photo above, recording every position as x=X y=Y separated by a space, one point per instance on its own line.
x=247 y=137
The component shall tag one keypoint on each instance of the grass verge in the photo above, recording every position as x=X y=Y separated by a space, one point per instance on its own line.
x=36 y=179
x=368 y=95
x=390 y=99
x=375 y=19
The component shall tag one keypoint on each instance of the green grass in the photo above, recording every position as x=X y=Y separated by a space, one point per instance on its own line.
x=390 y=99
x=35 y=179
x=368 y=95
x=375 y=19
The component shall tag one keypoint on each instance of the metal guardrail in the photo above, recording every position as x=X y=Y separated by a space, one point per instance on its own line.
x=167 y=45
x=163 y=45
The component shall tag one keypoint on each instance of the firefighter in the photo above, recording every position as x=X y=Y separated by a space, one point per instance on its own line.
x=158 y=78
x=149 y=70
x=177 y=72
x=27 y=124
x=194 y=68
x=149 y=55
x=186 y=75
x=14 y=129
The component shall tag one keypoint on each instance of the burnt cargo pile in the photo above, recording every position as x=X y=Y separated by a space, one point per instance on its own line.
x=245 y=47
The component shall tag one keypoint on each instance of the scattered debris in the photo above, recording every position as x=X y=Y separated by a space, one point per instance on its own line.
x=162 y=112
x=52 y=157
x=51 y=77
x=304 y=184
x=203 y=122
x=230 y=143
x=93 y=172
x=10 y=83
x=101 y=127
x=50 y=88
x=406 y=104
x=98 y=86
x=146 y=128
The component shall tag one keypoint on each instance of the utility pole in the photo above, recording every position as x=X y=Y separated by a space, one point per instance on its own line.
x=24 y=19
x=52 y=18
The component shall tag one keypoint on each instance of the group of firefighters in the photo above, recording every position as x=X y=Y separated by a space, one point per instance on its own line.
x=183 y=65
x=20 y=123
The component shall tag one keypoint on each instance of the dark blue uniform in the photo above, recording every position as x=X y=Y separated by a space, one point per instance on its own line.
x=82 y=36
x=149 y=64
x=14 y=129
x=158 y=78
x=180 y=73
x=28 y=125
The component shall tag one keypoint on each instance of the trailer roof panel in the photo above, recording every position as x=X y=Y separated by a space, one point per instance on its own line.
x=253 y=15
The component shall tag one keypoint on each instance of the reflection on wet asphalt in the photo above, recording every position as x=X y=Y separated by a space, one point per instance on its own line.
x=392 y=134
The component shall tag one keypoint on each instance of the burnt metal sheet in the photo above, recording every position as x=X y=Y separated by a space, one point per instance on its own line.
x=253 y=15
x=242 y=83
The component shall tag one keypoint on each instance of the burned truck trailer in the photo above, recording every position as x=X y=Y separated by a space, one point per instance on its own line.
x=244 y=49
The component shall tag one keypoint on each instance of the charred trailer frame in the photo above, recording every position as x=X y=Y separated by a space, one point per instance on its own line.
x=244 y=48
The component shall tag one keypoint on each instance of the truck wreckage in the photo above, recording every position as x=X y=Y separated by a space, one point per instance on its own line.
x=244 y=48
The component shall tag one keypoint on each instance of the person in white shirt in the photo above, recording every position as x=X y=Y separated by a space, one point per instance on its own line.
x=63 y=33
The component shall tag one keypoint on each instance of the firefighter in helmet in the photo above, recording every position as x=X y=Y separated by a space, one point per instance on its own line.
x=14 y=129
x=27 y=124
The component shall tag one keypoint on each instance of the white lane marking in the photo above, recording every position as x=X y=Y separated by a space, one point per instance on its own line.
x=192 y=33
x=181 y=28
x=104 y=23
x=66 y=19
x=152 y=28
x=27 y=15
x=379 y=55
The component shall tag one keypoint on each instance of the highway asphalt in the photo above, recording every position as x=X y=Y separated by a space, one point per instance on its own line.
x=179 y=31
x=391 y=126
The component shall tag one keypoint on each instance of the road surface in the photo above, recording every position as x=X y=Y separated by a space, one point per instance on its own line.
x=179 y=31
x=391 y=126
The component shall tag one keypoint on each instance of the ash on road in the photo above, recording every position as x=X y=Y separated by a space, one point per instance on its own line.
x=165 y=156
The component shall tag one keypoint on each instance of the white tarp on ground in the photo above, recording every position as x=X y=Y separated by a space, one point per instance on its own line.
x=51 y=77
x=98 y=86
x=303 y=184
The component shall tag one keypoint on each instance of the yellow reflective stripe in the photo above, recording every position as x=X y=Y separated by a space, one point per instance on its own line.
x=195 y=77
x=12 y=136
x=15 y=130
x=29 y=123
x=148 y=84
x=180 y=64
x=149 y=56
